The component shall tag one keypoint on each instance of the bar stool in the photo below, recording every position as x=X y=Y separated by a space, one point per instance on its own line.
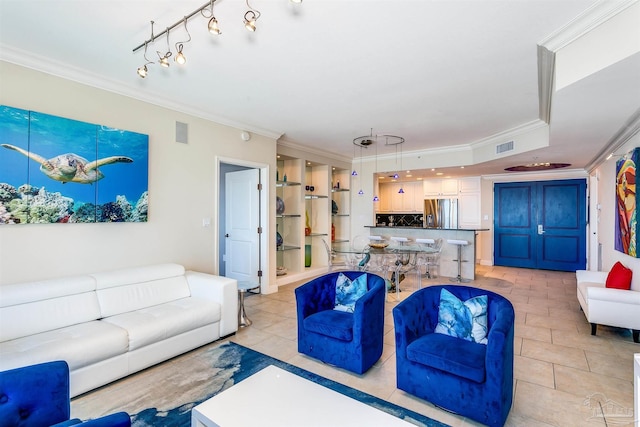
x=423 y=259
x=460 y=244
x=401 y=240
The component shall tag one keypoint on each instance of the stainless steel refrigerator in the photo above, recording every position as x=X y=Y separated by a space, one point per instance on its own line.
x=440 y=213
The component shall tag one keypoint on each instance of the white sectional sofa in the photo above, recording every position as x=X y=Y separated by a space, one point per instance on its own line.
x=111 y=324
x=607 y=306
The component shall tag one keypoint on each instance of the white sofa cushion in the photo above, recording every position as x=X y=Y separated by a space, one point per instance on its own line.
x=153 y=324
x=35 y=307
x=80 y=345
x=131 y=289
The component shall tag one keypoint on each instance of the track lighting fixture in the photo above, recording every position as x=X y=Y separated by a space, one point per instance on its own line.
x=206 y=10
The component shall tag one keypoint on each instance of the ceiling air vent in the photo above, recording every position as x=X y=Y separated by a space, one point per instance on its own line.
x=503 y=148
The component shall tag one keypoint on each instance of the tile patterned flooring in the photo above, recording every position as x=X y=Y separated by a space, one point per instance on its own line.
x=561 y=372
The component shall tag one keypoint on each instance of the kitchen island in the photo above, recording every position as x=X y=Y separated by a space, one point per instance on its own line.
x=448 y=265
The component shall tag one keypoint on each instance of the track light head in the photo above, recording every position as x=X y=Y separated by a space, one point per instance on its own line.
x=180 y=58
x=142 y=71
x=213 y=26
x=164 y=59
x=250 y=20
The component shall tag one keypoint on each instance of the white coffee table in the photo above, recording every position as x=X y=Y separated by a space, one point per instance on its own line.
x=275 y=397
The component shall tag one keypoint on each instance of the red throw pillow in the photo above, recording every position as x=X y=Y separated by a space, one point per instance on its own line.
x=619 y=277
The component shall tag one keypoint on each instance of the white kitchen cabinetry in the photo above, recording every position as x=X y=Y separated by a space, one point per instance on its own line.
x=469 y=203
x=469 y=185
x=437 y=188
x=394 y=202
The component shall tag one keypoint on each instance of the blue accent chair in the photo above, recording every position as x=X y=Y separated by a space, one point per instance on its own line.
x=38 y=395
x=470 y=379
x=352 y=341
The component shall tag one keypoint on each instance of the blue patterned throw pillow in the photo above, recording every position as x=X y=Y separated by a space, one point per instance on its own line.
x=466 y=320
x=349 y=291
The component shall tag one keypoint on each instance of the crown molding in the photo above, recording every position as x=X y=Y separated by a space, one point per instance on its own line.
x=82 y=76
x=595 y=15
x=284 y=143
x=624 y=134
x=509 y=134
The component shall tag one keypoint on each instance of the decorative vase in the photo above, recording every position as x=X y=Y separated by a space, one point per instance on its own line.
x=279 y=240
x=307 y=226
x=279 y=206
x=307 y=255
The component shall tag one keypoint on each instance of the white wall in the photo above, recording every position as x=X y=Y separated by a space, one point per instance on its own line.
x=606 y=173
x=182 y=185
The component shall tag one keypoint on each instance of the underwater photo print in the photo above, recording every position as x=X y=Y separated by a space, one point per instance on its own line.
x=58 y=170
x=626 y=230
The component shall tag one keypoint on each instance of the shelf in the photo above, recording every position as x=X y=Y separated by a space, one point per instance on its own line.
x=288 y=216
x=344 y=215
x=316 y=234
x=287 y=248
x=340 y=241
x=286 y=184
x=314 y=196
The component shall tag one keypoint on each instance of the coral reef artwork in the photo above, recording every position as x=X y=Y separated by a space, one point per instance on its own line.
x=627 y=228
x=58 y=170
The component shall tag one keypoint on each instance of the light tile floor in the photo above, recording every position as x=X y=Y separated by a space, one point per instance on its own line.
x=563 y=375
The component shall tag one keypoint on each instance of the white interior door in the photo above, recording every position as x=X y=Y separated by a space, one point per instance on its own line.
x=242 y=219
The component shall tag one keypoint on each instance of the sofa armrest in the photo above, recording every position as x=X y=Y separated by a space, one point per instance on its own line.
x=220 y=289
x=591 y=276
x=621 y=296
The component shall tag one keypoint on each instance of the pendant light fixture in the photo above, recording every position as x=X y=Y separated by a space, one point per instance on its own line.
x=371 y=139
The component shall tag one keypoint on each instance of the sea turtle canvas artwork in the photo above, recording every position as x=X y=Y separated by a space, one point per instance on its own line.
x=58 y=170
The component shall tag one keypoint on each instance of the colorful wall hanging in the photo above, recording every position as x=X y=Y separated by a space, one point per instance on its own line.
x=57 y=170
x=626 y=230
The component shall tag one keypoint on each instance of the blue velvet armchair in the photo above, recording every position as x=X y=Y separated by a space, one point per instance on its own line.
x=352 y=341
x=38 y=395
x=471 y=379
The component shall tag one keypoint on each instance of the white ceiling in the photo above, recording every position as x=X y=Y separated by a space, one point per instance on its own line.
x=437 y=72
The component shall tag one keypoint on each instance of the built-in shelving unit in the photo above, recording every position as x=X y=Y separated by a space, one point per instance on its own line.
x=309 y=193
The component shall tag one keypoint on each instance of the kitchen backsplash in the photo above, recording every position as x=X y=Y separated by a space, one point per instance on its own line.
x=399 y=220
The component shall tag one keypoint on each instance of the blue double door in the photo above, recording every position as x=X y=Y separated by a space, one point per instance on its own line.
x=541 y=224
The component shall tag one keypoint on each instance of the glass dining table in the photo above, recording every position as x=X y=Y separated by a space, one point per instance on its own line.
x=394 y=258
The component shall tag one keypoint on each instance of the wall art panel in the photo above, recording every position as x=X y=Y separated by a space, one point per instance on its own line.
x=58 y=170
x=626 y=229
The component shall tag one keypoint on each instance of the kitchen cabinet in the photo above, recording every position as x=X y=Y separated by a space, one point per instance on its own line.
x=392 y=201
x=469 y=200
x=437 y=188
x=469 y=185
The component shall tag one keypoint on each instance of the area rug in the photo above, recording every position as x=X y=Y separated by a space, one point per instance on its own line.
x=165 y=394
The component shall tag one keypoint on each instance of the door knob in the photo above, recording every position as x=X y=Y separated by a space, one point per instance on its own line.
x=226 y=235
x=540 y=229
